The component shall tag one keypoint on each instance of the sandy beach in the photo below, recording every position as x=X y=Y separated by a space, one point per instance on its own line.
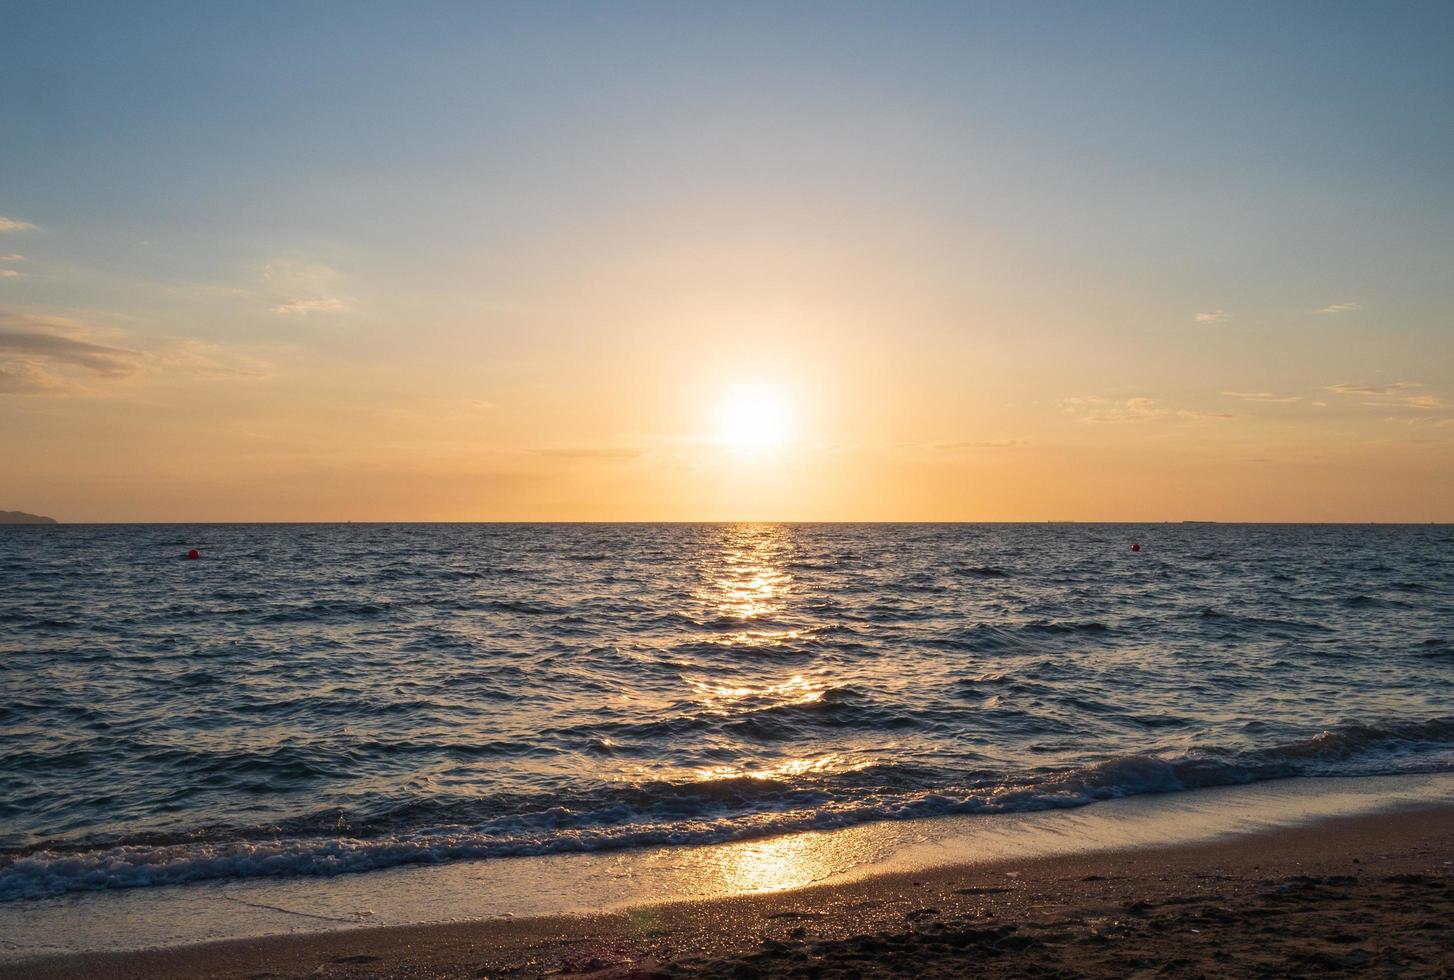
x=1369 y=895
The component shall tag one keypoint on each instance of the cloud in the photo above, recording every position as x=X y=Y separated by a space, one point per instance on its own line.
x=12 y=257
x=1335 y=308
x=11 y=274
x=51 y=354
x=1439 y=421
x=1386 y=389
x=26 y=378
x=1216 y=316
x=1389 y=395
x=1206 y=416
x=312 y=304
x=212 y=362
x=33 y=348
x=14 y=224
x=293 y=288
x=1262 y=396
x=1092 y=408
x=108 y=362
x=983 y=444
x=593 y=453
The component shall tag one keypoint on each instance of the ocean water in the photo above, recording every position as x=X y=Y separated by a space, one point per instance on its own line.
x=327 y=699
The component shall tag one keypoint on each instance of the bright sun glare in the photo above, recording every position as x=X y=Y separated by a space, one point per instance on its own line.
x=753 y=416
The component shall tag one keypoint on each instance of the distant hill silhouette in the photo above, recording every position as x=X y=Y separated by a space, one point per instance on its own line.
x=21 y=517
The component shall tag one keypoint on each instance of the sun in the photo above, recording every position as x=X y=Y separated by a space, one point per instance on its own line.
x=753 y=415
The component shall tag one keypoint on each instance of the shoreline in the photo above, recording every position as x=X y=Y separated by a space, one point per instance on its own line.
x=1353 y=894
x=1169 y=897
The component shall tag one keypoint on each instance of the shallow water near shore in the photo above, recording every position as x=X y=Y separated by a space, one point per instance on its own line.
x=320 y=700
x=580 y=883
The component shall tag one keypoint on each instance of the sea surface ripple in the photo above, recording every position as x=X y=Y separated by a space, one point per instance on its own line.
x=319 y=699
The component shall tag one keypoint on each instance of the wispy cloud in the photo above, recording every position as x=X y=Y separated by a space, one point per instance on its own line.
x=26 y=378
x=1383 y=389
x=1435 y=421
x=982 y=444
x=110 y=362
x=1262 y=396
x=212 y=362
x=1341 y=308
x=11 y=258
x=589 y=452
x=1216 y=316
x=1390 y=395
x=60 y=355
x=1092 y=408
x=14 y=224
x=294 y=288
x=312 y=304
x=34 y=348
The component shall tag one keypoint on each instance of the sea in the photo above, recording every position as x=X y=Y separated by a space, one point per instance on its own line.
x=321 y=700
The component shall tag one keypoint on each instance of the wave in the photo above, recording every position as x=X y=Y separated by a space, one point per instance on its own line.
x=984 y=571
x=328 y=699
x=705 y=812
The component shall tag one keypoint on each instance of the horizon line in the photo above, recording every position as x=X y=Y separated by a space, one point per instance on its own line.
x=540 y=521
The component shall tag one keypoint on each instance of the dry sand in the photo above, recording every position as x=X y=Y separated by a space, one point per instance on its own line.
x=1365 y=896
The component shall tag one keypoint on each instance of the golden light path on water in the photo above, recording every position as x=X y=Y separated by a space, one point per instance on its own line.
x=742 y=591
x=743 y=588
x=749 y=582
x=771 y=865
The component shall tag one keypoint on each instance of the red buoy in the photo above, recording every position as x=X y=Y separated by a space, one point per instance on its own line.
x=194 y=553
x=1135 y=547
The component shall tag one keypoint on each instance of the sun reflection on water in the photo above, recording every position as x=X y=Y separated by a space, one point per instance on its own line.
x=747 y=579
x=744 y=591
x=772 y=865
x=782 y=770
x=720 y=699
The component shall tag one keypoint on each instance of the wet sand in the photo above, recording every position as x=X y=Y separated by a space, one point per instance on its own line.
x=1368 y=896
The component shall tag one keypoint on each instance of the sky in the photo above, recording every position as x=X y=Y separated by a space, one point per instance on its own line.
x=687 y=261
